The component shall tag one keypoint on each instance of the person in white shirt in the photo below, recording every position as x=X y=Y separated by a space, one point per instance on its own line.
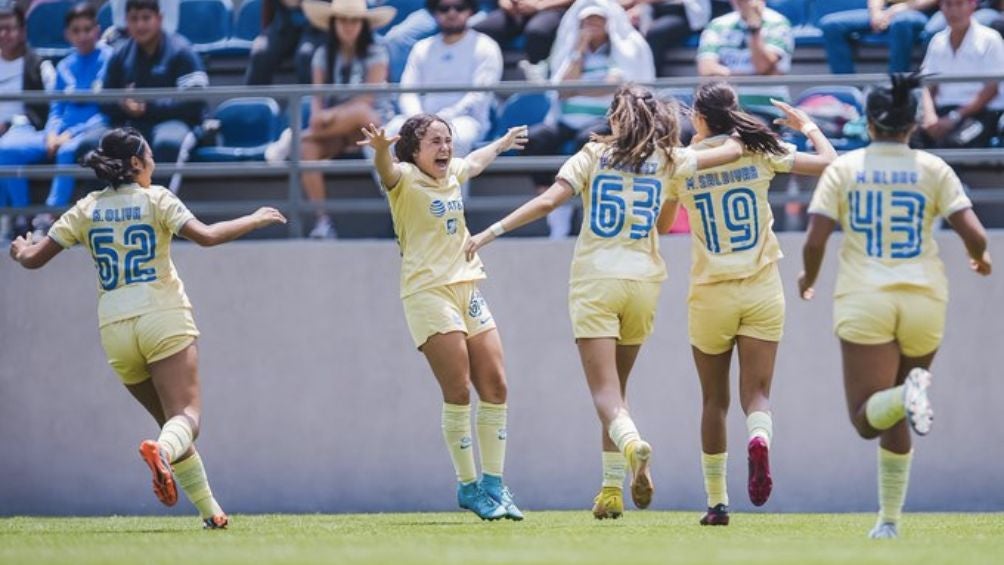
x=454 y=55
x=962 y=114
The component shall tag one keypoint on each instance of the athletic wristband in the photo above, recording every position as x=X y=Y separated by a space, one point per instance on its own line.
x=809 y=128
x=497 y=229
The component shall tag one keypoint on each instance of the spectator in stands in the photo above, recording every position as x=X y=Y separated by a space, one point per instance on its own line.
x=669 y=23
x=962 y=114
x=70 y=124
x=285 y=32
x=21 y=70
x=904 y=20
x=752 y=40
x=602 y=47
x=117 y=32
x=351 y=56
x=986 y=13
x=152 y=58
x=536 y=20
x=455 y=54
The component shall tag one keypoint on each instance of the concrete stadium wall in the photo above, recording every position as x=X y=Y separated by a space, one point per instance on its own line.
x=315 y=400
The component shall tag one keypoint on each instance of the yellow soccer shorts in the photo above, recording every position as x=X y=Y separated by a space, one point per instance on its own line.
x=718 y=312
x=458 y=307
x=134 y=343
x=618 y=308
x=914 y=320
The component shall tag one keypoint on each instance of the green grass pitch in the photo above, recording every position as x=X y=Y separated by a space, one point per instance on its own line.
x=545 y=537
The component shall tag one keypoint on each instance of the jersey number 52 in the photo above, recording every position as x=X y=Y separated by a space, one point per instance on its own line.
x=141 y=241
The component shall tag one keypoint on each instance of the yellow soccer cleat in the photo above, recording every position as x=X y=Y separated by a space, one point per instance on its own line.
x=609 y=503
x=638 y=455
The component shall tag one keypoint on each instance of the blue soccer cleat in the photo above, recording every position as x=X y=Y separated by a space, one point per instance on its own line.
x=472 y=497
x=493 y=487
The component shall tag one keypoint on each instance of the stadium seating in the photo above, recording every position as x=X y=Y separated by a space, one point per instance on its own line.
x=247 y=126
x=44 y=22
x=247 y=26
x=523 y=108
x=105 y=16
x=207 y=24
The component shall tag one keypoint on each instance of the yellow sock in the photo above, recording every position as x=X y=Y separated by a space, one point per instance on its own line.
x=614 y=469
x=176 y=437
x=491 y=420
x=623 y=431
x=191 y=477
x=885 y=408
x=760 y=424
x=713 y=466
x=894 y=476
x=457 y=434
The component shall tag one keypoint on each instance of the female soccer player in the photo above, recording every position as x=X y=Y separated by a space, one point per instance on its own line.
x=448 y=318
x=892 y=293
x=617 y=271
x=147 y=328
x=735 y=296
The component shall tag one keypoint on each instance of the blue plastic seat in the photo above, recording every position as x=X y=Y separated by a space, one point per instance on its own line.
x=206 y=23
x=523 y=108
x=247 y=26
x=247 y=126
x=797 y=11
x=105 y=16
x=44 y=22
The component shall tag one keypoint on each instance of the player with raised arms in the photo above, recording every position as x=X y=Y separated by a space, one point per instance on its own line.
x=891 y=293
x=617 y=271
x=144 y=315
x=447 y=316
x=736 y=298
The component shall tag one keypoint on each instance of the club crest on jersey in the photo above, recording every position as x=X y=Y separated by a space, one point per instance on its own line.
x=477 y=305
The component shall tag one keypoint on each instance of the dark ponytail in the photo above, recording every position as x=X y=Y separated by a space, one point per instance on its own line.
x=112 y=160
x=893 y=110
x=718 y=104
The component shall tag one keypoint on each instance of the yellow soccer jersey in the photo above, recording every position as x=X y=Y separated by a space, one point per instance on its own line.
x=886 y=198
x=128 y=232
x=730 y=217
x=429 y=222
x=617 y=239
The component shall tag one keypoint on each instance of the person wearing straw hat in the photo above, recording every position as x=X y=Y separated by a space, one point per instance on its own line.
x=351 y=55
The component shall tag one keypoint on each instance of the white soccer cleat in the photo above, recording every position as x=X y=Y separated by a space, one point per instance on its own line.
x=884 y=530
x=918 y=406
